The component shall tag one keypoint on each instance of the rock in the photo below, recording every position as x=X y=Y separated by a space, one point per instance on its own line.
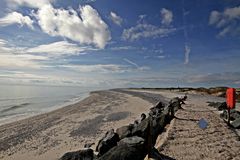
x=143 y=116
x=107 y=142
x=123 y=152
x=236 y=123
x=124 y=131
x=160 y=105
x=134 y=141
x=86 y=154
x=222 y=106
x=88 y=145
x=218 y=105
x=154 y=154
x=155 y=111
x=141 y=130
x=233 y=114
x=175 y=102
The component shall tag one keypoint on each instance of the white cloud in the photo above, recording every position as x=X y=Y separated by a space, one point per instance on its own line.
x=18 y=18
x=225 y=77
x=227 y=21
x=167 y=16
x=146 y=31
x=187 y=51
x=104 y=68
x=88 y=28
x=161 y=57
x=59 y=48
x=16 y=61
x=98 y=68
x=116 y=19
x=12 y=57
x=29 y=3
x=123 y=48
x=215 y=16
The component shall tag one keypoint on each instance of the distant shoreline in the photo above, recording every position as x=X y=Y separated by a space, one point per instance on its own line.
x=18 y=117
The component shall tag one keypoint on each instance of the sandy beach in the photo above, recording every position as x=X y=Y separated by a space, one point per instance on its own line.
x=49 y=136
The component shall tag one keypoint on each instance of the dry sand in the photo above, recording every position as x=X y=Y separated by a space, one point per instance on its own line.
x=49 y=136
x=184 y=139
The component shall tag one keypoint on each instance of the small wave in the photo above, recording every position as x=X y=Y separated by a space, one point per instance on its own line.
x=15 y=107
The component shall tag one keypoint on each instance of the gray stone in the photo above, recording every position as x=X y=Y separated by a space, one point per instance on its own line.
x=236 y=123
x=86 y=154
x=233 y=114
x=132 y=141
x=124 y=131
x=124 y=152
x=107 y=142
x=141 y=130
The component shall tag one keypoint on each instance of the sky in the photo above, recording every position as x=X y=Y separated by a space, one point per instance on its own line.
x=120 y=43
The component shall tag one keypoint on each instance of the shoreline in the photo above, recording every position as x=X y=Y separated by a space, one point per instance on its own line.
x=49 y=135
x=24 y=116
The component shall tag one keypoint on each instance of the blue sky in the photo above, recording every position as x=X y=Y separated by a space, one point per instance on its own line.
x=106 y=43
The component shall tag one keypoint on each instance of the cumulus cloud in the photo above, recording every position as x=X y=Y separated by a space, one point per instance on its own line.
x=18 y=18
x=29 y=3
x=116 y=19
x=85 y=27
x=227 y=21
x=167 y=16
x=59 y=48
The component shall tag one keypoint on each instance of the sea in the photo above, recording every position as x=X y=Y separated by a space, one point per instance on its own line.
x=21 y=101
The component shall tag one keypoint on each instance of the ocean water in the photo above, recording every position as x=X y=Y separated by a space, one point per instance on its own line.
x=18 y=102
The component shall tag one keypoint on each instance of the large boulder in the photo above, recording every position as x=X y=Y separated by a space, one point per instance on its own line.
x=107 y=142
x=134 y=141
x=141 y=130
x=124 y=131
x=123 y=152
x=86 y=154
x=130 y=148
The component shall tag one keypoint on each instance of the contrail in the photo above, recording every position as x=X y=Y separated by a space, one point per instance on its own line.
x=131 y=62
x=187 y=48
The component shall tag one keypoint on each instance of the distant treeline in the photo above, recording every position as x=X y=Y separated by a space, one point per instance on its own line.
x=217 y=91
